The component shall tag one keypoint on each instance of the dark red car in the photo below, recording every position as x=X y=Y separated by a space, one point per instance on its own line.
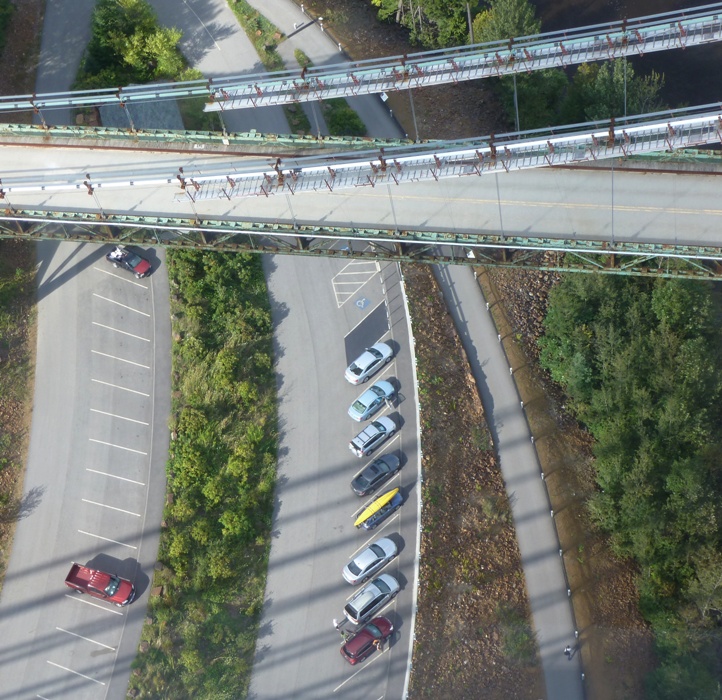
x=108 y=587
x=121 y=256
x=366 y=640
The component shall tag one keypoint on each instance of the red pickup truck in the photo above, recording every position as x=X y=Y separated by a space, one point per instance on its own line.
x=100 y=585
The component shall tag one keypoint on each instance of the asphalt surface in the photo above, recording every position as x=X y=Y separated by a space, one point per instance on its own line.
x=627 y=207
x=325 y=313
x=95 y=476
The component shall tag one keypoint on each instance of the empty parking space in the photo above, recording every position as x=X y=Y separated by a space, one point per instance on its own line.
x=368 y=331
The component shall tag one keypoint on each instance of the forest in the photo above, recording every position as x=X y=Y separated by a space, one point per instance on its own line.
x=641 y=364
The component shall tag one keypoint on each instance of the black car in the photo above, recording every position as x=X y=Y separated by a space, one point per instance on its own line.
x=121 y=256
x=375 y=474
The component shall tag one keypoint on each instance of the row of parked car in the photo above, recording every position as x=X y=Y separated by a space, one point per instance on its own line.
x=379 y=591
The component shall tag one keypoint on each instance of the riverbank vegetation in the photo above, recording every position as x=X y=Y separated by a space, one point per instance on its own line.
x=641 y=362
x=200 y=636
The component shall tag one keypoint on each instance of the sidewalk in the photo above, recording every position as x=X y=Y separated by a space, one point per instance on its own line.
x=538 y=543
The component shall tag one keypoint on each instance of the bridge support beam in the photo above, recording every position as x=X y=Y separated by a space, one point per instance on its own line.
x=563 y=255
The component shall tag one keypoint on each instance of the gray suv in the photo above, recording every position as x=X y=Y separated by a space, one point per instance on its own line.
x=372 y=436
x=371 y=598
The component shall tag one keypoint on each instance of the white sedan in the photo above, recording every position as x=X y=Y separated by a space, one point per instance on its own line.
x=368 y=363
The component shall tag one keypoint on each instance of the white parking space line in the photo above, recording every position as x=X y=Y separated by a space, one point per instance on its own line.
x=103 y=505
x=113 y=476
x=115 y=415
x=116 y=386
x=42 y=697
x=120 y=277
x=87 y=639
x=120 y=447
x=388 y=522
x=120 y=359
x=107 y=539
x=117 y=330
x=125 y=306
x=363 y=546
x=361 y=273
x=378 y=655
x=77 y=673
x=94 y=605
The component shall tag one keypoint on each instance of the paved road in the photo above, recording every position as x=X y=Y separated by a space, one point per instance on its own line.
x=569 y=204
x=538 y=543
x=95 y=476
x=325 y=313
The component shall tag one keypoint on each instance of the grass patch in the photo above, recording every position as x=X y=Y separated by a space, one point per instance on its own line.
x=214 y=548
x=17 y=299
x=518 y=638
x=303 y=60
x=341 y=119
x=195 y=119
x=263 y=34
x=297 y=119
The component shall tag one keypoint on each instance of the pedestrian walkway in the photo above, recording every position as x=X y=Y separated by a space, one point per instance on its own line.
x=546 y=584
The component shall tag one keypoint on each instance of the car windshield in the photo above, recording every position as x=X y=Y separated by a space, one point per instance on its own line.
x=112 y=587
x=381 y=585
x=359 y=406
x=377 y=390
x=354 y=568
x=133 y=260
x=375 y=353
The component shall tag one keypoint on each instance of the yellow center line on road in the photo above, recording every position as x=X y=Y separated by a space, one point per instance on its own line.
x=603 y=206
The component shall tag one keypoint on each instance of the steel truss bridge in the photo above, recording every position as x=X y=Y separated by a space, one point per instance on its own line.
x=204 y=179
x=188 y=189
x=660 y=32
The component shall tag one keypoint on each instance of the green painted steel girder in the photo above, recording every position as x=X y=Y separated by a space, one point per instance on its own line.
x=245 y=143
x=649 y=259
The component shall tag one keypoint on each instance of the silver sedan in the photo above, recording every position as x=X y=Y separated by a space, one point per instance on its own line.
x=368 y=363
x=369 y=561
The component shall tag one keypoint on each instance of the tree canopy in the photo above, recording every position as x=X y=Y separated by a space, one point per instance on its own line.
x=641 y=362
x=431 y=23
x=128 y=45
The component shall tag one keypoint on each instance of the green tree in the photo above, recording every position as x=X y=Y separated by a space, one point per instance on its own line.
x=127 y=45
x=597 y=92
x=506 y=19
x=431 y=23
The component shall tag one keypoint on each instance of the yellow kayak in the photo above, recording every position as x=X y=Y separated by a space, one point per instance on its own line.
x=375 y=506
